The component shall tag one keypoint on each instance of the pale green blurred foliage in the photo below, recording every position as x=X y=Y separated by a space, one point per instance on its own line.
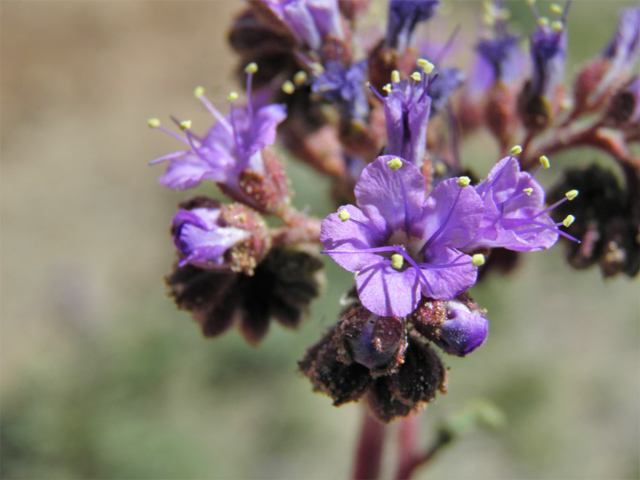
x=103 y=378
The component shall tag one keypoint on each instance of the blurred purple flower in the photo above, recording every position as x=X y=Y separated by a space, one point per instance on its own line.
x=404 y=16
x=310 y=20
x=497 y=59
x=443 y=85
x=548 y=48
x=401 y=243
x=406 y=111
x=514 y=215
x=345 y=87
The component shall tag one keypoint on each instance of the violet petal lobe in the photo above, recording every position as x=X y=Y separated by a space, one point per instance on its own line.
x=463 y=331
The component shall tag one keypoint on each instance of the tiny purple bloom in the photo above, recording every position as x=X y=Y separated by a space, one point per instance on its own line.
x=463 y=331
x=406 y=111
x=345 y=87
x=310 y=20
x=401 y=243
x=443 y=85
x=404 y=16
x=201 y=240
x=514 y=217
x=232 y=145
x=497 y=59
x=548 y=48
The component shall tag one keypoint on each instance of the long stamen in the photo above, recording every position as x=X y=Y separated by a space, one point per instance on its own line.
x=199 y=94
x=250 y=70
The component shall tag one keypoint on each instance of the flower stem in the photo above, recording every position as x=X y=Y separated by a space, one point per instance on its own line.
x=368 y=457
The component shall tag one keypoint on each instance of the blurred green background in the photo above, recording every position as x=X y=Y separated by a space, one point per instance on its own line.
x=103 y=378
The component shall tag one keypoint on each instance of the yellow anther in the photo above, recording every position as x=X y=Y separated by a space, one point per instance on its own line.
x=555 y=8
x=571 y=194
x=440 y=168
x=416 y=76
x=557 y=26
x=544 y=161
x=318 y=69
x=477 y=260
x=516 y=149
x=288 y=87
x=198 y=91
x=232 y=96
x=387 y=88
x=463 y=181
x=426 y=65
x=488 y=19
x=251 y=68
x=568 y=221
x=300 y=77
x=528 y=191
x=531 y=2
x=395 y=76
x=344 y=215
x=397 y=261
x=543 y=21
x=185 y=125
x=394 y=163
x=153 y=122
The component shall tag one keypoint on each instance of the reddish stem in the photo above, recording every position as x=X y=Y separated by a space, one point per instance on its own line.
x=369 y=451
x=407 y=446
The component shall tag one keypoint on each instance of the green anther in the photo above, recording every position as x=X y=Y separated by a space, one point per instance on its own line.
x=477 y=260
x=232 y=96
x=543 y=21
x=185 y=125
x=544 y=161
x=557 y=26
x=555 y=8
x=568 y=221
x=394 y=163
x=528 y=191
x=395 y=76
x=463 y=181
x=251 y=68
x=397 y=261
x=571 y=194
x=288 y=87
x=198 y=91
x=300 y=77
x=344 y=215
x=515 y=150
x=153 y=122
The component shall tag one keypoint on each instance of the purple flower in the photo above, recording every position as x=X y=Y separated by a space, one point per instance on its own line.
x=548 y=47
x=404 y=16
x=345 y=87
x=232 y=145
x=406 y=111
x=463 y=330
x=514 y=217
x=624 y=49
x=201 y=240
x=310 y=20
x=401 y=243
x=497 y=59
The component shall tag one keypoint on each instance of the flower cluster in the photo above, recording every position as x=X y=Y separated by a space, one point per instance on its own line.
x=413 y=223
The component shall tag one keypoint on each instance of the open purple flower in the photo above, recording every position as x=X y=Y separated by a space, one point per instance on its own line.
x=310 y=20
x=406 y=112
x=404 y=16
x=514 y=214
x=232 y=145
x=401 y=243
x=345 y=87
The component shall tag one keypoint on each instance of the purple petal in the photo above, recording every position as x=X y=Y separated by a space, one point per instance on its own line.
x=387 y=292
x=354 y=235
x=443 y=280
x=451 y=215
x=391 y=197
x=186 y=172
